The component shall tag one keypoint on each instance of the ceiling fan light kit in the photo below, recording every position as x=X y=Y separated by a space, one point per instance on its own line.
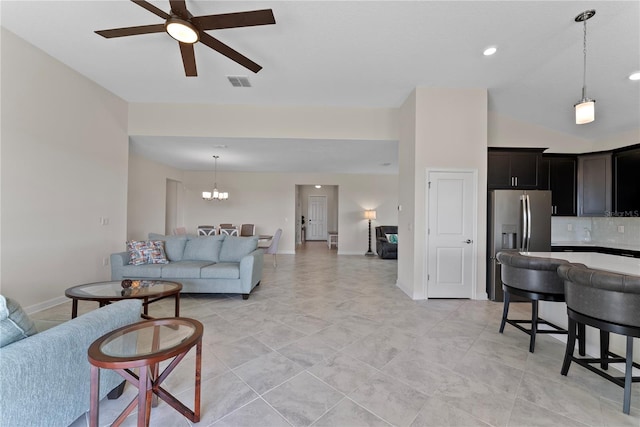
x=181 y=30
x=586 y=107
x=188 y=29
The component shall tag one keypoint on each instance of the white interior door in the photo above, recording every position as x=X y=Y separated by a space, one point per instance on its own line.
x=450 y=233
x=317 y=226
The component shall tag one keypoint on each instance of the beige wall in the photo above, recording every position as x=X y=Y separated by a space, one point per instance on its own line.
x=64 y=166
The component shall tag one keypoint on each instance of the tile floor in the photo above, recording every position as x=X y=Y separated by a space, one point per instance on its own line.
x=329 y=340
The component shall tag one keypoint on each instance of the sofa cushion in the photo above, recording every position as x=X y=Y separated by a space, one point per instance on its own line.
x=235 y=248
x=185 y=269
x=150 y=271
x=221 y=270
x=173 y=245
x=203 y=248
x=14 y=322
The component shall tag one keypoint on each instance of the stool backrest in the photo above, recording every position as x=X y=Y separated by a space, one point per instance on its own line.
x=602 y=295
x=533 y=274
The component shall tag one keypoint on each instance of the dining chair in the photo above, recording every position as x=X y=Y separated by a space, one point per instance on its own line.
x=206 y=230
x=273 y=247
x=247 y=230
x=179 y=231
x=228 y=230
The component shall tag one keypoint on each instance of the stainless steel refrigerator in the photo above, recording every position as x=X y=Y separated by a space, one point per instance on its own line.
x=518 y=220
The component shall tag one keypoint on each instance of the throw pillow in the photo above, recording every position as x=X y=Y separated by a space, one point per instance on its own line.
x=14 y=322
x=173 y=245
x=235 y=248
x=146 y=252
x=392 y=238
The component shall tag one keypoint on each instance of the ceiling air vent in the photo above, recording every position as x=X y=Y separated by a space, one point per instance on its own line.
x=239 y=81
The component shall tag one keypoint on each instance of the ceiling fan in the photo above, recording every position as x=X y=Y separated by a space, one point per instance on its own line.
x=188 y=30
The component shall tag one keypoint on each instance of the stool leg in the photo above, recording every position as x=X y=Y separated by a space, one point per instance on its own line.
x=626 y=406
x=571 y=342
x=604 y=349
x=505 y=309
x=534 y=324
x=582 y=339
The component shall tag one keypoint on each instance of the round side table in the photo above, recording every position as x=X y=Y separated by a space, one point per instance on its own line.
x=144 y=345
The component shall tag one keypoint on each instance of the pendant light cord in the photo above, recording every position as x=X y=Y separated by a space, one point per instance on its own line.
x=584 y=65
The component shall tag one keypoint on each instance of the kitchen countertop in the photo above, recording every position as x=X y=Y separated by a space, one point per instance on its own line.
x=593 y=243
x=612 y=263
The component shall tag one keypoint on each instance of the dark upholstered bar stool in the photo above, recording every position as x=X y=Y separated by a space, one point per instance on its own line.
x=611 y=303
x=536 y=279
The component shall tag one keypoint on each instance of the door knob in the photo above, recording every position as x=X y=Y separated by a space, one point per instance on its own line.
x=468 y=241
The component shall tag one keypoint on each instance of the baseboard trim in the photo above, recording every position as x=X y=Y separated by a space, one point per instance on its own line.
x=45 y=305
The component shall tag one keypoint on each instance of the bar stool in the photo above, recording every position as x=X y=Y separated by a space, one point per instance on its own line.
x=536 y=279
x=608 y=302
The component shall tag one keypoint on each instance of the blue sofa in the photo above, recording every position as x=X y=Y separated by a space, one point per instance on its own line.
x=203 y=264
x=45 y=378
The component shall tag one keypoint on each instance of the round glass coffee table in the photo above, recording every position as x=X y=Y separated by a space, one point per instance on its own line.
x=144 y=345
x=107 y=292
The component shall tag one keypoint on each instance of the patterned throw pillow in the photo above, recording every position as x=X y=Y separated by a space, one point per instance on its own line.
x=392 y=238
x=146 y=252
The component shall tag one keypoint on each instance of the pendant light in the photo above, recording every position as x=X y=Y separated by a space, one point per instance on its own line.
x=586 y=107
x=215 y=194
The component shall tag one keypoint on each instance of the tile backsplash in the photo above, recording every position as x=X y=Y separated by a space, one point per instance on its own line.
x=617 y=230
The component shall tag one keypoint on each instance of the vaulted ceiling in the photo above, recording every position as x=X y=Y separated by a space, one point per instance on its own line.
x=361 y=54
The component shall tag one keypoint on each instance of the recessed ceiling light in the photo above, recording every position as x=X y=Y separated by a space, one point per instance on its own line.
x=318 y=186
x=490 y=51
x=635 y=76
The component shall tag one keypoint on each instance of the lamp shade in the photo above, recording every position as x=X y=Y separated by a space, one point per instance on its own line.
x=585 y=111
x=370 y=214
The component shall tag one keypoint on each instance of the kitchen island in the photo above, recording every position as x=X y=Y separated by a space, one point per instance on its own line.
x=556 y=312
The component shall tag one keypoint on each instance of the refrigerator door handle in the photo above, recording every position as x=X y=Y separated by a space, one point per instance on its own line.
x=528 y=222
x=523 y=231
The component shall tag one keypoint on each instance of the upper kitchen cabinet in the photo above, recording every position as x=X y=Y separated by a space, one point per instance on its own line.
x=562 y=183
x=626 y=181
x=594 y=184
x=514 y=168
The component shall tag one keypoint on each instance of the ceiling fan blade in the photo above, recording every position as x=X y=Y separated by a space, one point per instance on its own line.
x=131 y=31
x=234 y=20
x=151 y=8
x=179 y=7
x=188 y=59
x=222 y=48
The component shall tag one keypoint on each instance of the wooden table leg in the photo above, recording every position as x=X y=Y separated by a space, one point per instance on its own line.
x=196 y=404
x=94 y=393
x=74 y=308
x=178 y=304
x=144 y=403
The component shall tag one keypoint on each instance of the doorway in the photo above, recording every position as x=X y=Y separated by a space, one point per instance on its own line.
x=451 y=234
x=305 y=193
x=317 y=218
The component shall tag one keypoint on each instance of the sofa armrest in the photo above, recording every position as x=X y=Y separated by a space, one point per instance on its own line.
x=118 y=261
x=45 y=378
x=251 y=269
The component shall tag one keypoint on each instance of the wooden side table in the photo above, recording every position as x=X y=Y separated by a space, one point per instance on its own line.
x=144 y=345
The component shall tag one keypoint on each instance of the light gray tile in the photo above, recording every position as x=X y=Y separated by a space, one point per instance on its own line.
x=338 y=336
x=256 y=413
x=221 y=396
x=307 y=351
x=527 y=414
x=236 y=353
x=437 y=413
x=303 y=399
x=278 y=335
x=347 y=413
x=379 y=348
x=268 y=371
x=343 y=372
x=389 y=399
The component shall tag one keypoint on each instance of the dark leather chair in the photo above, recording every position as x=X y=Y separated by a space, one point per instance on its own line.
x=608 y=302
x=535 y=279
x=384 y=248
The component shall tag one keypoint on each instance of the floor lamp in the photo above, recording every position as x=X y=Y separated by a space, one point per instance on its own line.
x=370 y=214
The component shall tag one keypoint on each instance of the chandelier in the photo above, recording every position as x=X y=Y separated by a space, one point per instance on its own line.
x=586 y=107
x=215 y=194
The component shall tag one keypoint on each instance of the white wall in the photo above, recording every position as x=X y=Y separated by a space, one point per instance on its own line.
x=64 y=165
x=450 y=133
x=264 y=199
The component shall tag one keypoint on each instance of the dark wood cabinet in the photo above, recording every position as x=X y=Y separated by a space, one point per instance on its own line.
x=626 y=182
x=562 y=183
x=594 y=184
x=513 y=168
